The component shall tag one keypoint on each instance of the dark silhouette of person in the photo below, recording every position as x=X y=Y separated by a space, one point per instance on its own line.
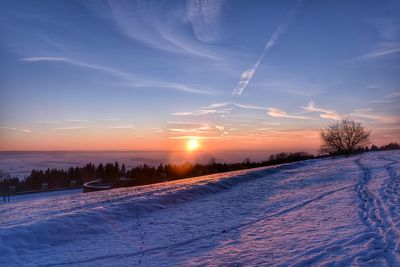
x=6 y=197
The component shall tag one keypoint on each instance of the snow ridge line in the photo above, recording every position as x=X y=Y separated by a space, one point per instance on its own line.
x=374 y=216
x=95 y=220
x=192 y=240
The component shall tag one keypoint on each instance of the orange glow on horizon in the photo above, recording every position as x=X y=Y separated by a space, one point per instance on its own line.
x=75 y=140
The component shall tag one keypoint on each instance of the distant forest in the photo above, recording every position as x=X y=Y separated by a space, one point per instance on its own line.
x=119 y=176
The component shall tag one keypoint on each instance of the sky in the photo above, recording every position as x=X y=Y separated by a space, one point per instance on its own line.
x=235 y=75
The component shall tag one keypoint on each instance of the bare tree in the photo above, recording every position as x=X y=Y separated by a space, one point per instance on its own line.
x=344 y=137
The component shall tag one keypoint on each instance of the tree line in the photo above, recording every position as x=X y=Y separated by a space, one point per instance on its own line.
x=141 y=175
x=147 y=174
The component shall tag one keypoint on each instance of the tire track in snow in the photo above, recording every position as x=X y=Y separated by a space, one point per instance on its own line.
x=375 y=215
x=192 y=240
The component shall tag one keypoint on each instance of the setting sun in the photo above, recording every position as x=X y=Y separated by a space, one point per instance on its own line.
x=192 y=145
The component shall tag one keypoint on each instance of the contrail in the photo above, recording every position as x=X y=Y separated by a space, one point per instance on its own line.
x=248 y=74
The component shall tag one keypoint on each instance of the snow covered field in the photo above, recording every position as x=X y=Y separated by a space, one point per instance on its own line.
x=342 y=211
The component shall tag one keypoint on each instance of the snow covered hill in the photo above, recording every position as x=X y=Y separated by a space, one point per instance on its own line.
x=342 y=211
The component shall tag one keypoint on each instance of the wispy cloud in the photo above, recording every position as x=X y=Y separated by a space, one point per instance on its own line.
x=38 y=59
x=326 y=113
x=271 y=123
x=217 y=105
x=388 y=28
x=180 y=130
x=298 y=87
x=369 y=115
x=145 y=21
x=223 y=109
x=76 y=120
x=182 y=113
x=245 y=79
x=389 y=98
x=133 y=81
x=223 y=105
x=15 y=129
x=384 y=49
x=278 y=113
x=380 y=52
x=71 y=128
x=188 y=124
x=200 y=112
x=248 y=74
x=373 y=86
x=246 y=106
x=122 y=126
x=204 y=17
x=156 y=130
x=46 y=122
x=392 y=95
x=169 y=85
x=108 y=70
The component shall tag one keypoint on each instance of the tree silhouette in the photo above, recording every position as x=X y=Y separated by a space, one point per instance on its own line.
x=344 y=137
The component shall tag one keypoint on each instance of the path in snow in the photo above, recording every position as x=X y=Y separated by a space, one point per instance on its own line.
x=343 y=211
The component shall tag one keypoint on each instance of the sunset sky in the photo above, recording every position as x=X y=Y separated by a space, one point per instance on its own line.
x=235 y=75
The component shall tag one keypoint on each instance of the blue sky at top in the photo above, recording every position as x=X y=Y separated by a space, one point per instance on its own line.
x=242 y=68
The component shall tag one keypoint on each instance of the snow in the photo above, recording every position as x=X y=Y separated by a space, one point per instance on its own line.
x=340 y=211
x=48 y=195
